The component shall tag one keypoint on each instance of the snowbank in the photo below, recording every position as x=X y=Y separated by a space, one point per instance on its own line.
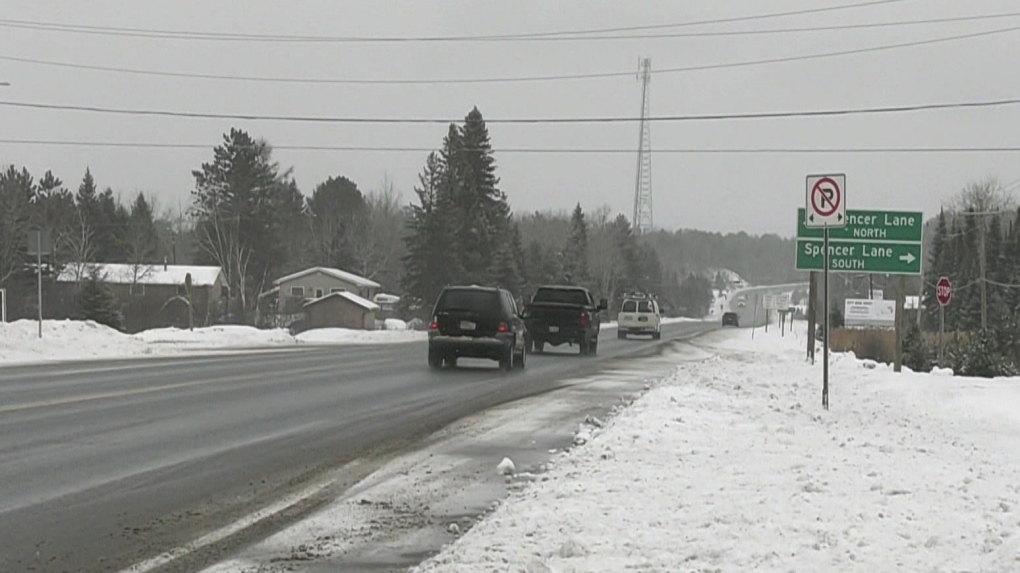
x=83 y=340
x=343 y=335
x=65 y=340
x=732 y=465
x=217 y=336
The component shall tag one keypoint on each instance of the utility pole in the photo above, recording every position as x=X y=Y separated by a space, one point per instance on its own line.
x=984 y=280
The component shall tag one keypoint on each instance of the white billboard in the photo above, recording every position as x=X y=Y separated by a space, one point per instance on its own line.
x=864 y=312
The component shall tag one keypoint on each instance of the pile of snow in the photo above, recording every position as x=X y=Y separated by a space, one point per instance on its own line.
x=64 y=340
x=217 y=336
x=394 y=324
x=348 y=336
x=732 y=465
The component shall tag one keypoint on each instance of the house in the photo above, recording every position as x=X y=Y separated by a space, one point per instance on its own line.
x=294 y=290
x=155 y=295
x=341 y=309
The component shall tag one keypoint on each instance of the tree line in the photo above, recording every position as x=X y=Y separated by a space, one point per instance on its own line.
x=976 y=244
x=248 y=216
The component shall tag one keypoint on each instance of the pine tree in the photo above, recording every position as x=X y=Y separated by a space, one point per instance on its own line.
x=937 y=266
x=995 y=266
x=246 y=212
x=969 y=309
x=575 y=253
x=426 y=263
x=97 y=302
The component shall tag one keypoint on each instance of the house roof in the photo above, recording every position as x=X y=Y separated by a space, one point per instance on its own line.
x=120 y=273
x=362 y=302
x=335 y=273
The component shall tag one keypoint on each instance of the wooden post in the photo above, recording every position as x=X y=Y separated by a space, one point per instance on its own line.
x=900 y=294
x=811 y=305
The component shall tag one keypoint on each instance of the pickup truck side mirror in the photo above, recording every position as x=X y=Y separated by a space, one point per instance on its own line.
x=603 y=304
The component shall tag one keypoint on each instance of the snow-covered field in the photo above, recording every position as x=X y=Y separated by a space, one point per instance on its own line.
x=732 y=465
x=83 y=340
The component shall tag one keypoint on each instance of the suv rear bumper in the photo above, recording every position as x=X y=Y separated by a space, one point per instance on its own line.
x=492 y=347
x=565 y=333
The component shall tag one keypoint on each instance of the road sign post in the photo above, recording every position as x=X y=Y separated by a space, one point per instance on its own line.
x=38 y=245
x=944 y=294
x=824 y=209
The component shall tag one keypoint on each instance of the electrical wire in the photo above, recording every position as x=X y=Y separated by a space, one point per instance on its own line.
x=660 y=36
x=218 y=36
x=563 y=150
x=503 y=80
x=522 y=120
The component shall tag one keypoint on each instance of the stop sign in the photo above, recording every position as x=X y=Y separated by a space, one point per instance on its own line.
x=944 y=291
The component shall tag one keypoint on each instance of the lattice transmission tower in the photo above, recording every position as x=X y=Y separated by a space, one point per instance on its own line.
x=642 y=221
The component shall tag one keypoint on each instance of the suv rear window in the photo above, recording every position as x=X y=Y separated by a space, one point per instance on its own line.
x=480 y=301
x=562 y=296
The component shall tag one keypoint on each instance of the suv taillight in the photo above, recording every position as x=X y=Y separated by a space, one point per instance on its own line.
x=433 y=325
x=584 y=318
x=503 y=327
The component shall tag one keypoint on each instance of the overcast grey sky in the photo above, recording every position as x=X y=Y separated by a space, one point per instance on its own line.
x=718 y=192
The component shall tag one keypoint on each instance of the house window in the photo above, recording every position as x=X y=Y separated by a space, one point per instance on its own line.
x=137 y=289
x=297 y=292
x=318 y=293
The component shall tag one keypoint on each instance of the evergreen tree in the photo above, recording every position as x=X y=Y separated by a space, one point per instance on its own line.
x=246 y=213
x=937 y=266
x=97 y=303
x=575 y=253
x=428 y=264
x=334 y=207
x=995 y=268
x=139 y=237
x=969 y=309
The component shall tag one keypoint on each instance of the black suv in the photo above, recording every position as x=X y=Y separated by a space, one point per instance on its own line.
x=731 y=319
x=477 y=322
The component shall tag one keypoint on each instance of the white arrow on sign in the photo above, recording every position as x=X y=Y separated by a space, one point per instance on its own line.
x=908 y=258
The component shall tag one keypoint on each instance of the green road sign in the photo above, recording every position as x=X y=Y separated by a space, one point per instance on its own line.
x=887 y=242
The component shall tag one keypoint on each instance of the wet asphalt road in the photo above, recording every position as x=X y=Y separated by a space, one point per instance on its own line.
x=104 y=464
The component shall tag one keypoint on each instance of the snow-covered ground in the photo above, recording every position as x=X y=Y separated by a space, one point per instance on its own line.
x=731 y=464
x=83 y=340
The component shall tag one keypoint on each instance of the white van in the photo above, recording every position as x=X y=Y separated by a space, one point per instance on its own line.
x=639 y=314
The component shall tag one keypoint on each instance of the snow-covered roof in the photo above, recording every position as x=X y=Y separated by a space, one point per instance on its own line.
x=362 y=302
x=120 y=273
x=384 y=298
x=336 y=273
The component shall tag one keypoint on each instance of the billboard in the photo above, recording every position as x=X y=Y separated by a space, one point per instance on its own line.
x=875 y=313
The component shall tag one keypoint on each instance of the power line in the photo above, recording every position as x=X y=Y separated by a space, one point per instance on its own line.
x=521 y=120
x=498 y=80
x=510 y=38
x=219 y=36
x=544 y=150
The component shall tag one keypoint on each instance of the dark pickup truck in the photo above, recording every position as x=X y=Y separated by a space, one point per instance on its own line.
x=563 y=315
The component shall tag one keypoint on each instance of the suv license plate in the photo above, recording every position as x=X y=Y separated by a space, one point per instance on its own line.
x=467 y=325
x=554 y=329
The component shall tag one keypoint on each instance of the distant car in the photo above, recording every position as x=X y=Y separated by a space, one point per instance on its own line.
x=477 y=322
x=639 y=314
x=730 y=319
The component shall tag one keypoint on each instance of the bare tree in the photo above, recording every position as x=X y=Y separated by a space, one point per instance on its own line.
x=985 y=196
x=376 y=238
x=78 y=247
